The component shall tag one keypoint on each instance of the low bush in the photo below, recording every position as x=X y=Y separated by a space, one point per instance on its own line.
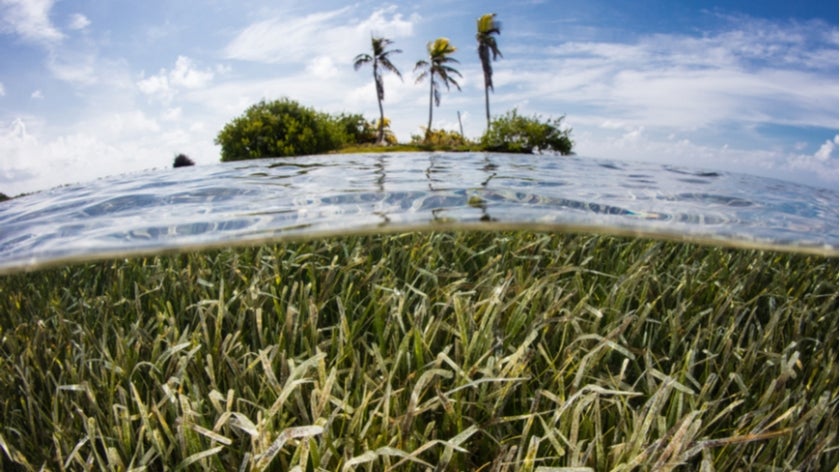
x=441 y=138
x=513 y=132
x=281 y=128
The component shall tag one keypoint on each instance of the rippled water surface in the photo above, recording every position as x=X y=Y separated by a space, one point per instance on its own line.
x=270 y=199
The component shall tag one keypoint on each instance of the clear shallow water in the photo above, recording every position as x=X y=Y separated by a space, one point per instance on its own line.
x=270 y=199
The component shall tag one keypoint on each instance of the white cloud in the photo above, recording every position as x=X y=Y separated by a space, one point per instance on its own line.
x=37 y=95
x=322 y=67
x=282 y=38
x=612 y=124
x=78 y=22
x=754 y=73
x=29 y=19
x=184 y=75
x=172 y=114
x=828 y=150
x=127 y=124
x=633 y=135
x=111 y=144
x=78 y=67
x=335 y=34
x=636 y=145
x=154 y=85
x=2 y=90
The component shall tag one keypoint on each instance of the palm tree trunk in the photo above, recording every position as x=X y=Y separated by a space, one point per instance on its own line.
x=487 y=104
x=378 y=83
x=381 y=138
x=431 y=98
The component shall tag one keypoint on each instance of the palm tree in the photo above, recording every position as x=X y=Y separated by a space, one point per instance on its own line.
x=487 y=27
x=437 y=65
x=379 y=59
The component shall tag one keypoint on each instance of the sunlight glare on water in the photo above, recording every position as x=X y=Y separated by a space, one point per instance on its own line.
x=255 y=201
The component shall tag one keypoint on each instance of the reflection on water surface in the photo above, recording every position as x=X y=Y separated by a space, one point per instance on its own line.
x=262 y=200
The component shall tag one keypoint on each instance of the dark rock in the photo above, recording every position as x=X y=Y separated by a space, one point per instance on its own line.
x=181 y=160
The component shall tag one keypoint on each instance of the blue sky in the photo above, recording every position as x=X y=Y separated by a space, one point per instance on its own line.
x=90 y=88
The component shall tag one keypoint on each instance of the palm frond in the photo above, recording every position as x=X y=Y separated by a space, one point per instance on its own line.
x=450 y=81
x=450 y=70
x=361 y=60
x=440 y=47
x=487 y=25
x=491 y=45
x=422 y=65
x=386 y=64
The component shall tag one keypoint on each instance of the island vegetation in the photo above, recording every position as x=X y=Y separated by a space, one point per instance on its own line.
x=283 y=127
x=488 y=29
x=379 y=60
x=437 y=65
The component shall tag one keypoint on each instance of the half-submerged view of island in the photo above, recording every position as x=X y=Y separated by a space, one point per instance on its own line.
x=496 y=349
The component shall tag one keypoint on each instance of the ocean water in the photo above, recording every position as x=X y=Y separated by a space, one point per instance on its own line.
x=252 y=202
x=750 y=335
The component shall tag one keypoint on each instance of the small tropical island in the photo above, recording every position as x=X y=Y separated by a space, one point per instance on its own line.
x=283 y=127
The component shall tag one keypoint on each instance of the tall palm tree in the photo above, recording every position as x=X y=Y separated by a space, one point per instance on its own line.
x=437 y=65
x=487 y=27
x=379 y=59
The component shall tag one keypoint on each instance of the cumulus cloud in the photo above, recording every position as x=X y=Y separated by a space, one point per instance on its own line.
x=2 y=90
x=78 y=22
x=37 y=95
x=128 y=124
x=154 y=85
x=172 y=114
x=78 y=67
x=828 y=150
x=186 y=75
x=113 y=143
x=165 y=84
x=323 y=67
x=29 y=19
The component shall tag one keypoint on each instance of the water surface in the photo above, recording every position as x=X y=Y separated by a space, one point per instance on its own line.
x=265 y=200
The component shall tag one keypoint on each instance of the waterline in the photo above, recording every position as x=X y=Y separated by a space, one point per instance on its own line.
x=255 y=202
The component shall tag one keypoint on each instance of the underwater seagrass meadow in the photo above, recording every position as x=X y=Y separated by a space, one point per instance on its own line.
x=461 y=350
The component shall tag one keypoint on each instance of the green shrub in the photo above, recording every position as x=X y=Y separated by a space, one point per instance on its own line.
x=515 y=133
x=355 y=128
x=441 y=138
x=387 y=134
x=280 y=128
